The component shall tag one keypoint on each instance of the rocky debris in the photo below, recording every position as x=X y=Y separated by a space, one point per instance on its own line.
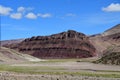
x=70 y=44
x=16 y=76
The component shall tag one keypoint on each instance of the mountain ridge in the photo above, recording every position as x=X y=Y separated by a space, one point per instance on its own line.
x=70 y=40
x=69 y=44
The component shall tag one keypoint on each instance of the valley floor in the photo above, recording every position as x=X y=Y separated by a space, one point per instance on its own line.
x=59 y=69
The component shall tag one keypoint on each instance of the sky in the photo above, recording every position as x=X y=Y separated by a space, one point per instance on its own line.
x=27 y=18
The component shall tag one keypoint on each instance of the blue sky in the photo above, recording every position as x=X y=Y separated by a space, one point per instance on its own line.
x=27 y=18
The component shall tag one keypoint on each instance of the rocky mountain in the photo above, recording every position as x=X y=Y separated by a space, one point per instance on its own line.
x=70 y=44
x=108 y=46
x=110 y=37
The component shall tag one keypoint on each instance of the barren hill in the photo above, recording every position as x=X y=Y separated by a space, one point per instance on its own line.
x=113 y=30
x=12 y=56
x=70 y=44
x=8 y=42
x=110 y=37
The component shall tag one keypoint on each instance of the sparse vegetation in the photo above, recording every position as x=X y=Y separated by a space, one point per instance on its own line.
x=27 y=69
x=46 y=70
x=111 y=58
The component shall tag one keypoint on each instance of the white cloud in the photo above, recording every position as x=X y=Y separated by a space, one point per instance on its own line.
x=31 y=16
x=23 y=9
x=46 y=15
x=20 y=9
x=16 y=15
x=112 y=8
x=5 y=10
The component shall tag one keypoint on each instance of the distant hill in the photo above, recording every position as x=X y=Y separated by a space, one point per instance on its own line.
x=110 y=37
x=8 y=42
x=11 y=56
x=108 y=46
x=113 y=30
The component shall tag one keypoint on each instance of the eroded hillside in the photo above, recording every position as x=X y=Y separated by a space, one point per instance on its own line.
x=12 y=56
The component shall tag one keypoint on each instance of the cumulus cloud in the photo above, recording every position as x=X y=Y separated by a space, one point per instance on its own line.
x=16 y=15
x=112 y=8
x=20 y=9
x=5 y=10
x=47 y=15
x=24 y=9
x=31 y=16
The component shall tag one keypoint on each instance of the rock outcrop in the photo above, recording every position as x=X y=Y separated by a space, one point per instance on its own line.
x=70 y=44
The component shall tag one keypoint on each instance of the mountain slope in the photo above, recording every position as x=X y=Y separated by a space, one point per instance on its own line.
x=110 y=37
x=12 y=56
x=110 y=56
x=113 y=30
x=108 y=46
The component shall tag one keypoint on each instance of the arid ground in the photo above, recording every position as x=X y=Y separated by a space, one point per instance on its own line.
x=59 y=69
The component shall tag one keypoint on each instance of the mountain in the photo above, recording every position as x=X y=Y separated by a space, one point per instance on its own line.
x=70 y=44
x=103 y=41
x=108 y=46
